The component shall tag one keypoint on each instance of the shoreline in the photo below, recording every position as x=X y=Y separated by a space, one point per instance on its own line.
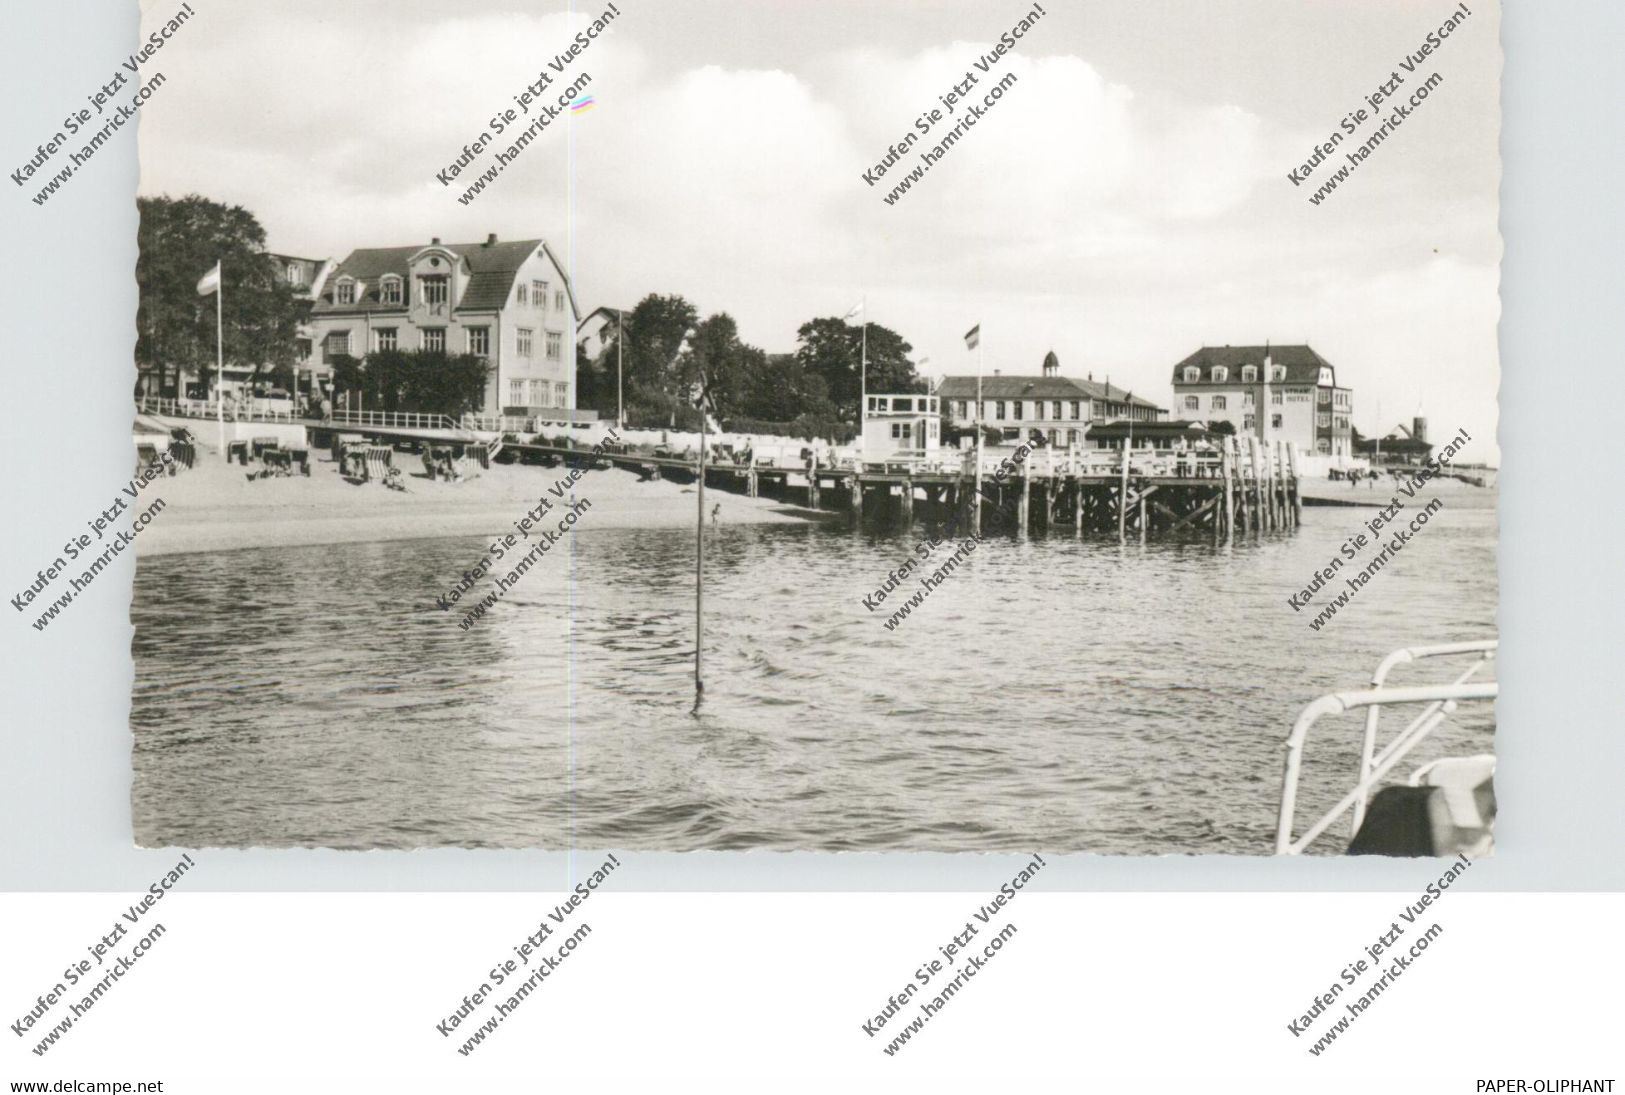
x=215 y=507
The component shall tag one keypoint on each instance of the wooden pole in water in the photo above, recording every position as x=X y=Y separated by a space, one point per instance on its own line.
x=699 y=567
x=1229 y=515
x=1297 y=486
x=908 y=499
x=1077 y=503
x=1122 y=496
x=812 y=479
x=1026 y=493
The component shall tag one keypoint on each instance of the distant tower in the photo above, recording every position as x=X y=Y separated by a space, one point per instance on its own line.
x=1052 y=364
x=1419 y=428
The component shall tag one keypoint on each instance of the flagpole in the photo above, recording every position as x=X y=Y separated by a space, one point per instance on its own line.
x=220 y=354
x=976 y=502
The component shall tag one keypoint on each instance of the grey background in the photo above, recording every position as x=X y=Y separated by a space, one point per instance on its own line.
x=64 y=697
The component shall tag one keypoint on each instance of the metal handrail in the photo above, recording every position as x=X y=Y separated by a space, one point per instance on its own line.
x=1441 y=700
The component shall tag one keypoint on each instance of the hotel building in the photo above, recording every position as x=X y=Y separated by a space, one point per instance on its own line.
x=509 y=303
x=1284 y=393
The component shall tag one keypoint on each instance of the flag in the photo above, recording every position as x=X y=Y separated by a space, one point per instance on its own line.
x=973 y=336
x=210 y=282
x=856 y=309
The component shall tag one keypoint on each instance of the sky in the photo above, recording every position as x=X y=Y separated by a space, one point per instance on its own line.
x=1123 y=204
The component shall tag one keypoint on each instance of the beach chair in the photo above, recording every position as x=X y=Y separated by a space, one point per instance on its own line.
x=261 y=444
x=301 y=457
x=237 y=450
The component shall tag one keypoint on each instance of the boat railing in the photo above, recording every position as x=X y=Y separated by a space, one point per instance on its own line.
x=1440 y=701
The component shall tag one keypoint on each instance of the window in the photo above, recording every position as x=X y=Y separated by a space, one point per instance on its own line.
x=538 y=293
x=1220 y=374
x=1249 y=374
x=1074 y=410
x=960 y=408
x=555 y=345
x=981 y=410
x=479 y=341
x=1015 y=407
x=1055 y=410
x=301 y=348
x=1275 y=399
x=1323 y=446
x=561 y=394
x=998 y=410
x=1322 y=396
x=516 y=393
x=1247 y=398
x=523 y=335
x=384 y=338
x=1249 y=422
x=902 y=404
x=522 y=293
x=1218 y=402
x=296 y=274
x=344 y=292
x=1192 y=374
x=390 y=290
x=903 y=431
x=1323 y=419
x=1071 y=437
x=1275 y=421
x=1193 y=403
x=1342 y=422
x=558 y=300
x=434 y=340
x=539 y=394
x=338 y=342
x=1277 y=372
x=434 y=288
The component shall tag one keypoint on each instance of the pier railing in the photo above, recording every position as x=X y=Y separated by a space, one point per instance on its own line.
x=1248 y=459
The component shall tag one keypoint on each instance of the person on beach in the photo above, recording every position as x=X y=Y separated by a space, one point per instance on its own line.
x=716 y=510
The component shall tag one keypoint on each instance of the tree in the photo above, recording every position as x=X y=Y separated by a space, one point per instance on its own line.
x=424 y=381
x=180 y=239
x=654 y=334
x=832 y=349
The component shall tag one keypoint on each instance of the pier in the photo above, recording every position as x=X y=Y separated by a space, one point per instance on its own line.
x=1245 y=486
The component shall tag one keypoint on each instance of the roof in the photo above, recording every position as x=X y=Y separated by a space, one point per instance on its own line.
x=609 y=314
x=491 y=266
x=1303 y=365
x=1179 y=428
x=1034 y=387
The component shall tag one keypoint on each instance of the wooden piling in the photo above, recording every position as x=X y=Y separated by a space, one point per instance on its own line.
x=1229 y=515
x=1026 y=496
x=1077 y=504
x=812 y=480
x=856 y=496
x=1297 y=485
x=908 y=499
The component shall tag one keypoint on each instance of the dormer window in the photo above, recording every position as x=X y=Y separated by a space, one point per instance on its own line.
x=1277 y=372
x=296 y=274
x=1249 y=374
x=1192 y=374
x=435 y=288
x=390 y=289
x=344 y=291
x=1220 y=374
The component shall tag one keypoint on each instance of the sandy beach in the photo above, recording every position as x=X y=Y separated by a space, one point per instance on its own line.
x=214 y=506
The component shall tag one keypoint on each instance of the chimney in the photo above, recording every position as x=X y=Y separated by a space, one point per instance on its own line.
x=491 y=239
x=435 y=242
x=995 y=372
x=1419 y=428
